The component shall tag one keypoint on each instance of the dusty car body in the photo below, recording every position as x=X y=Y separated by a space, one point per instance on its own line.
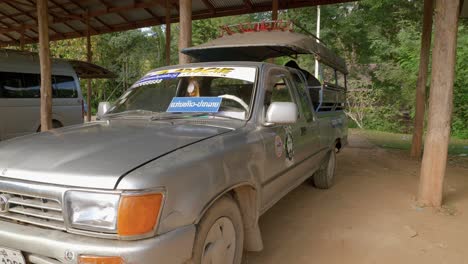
x=253 y=155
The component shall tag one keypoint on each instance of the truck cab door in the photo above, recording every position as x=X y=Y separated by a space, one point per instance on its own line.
x=285 y=146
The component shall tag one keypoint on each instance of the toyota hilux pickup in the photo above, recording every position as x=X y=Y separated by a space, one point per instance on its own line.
x=178 y=170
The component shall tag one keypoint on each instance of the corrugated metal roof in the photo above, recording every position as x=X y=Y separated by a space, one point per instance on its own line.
x=18 y=19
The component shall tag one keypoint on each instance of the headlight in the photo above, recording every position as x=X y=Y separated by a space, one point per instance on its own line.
x=125 y=214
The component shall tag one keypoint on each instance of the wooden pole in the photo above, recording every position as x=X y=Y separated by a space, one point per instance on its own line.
x=440 y=103
x=274 y=12
x=168 y=32
x=185 y=38
x=416 y=146
x=274 y=16
x=89 y=58
x=22 y=40
x=45 y=65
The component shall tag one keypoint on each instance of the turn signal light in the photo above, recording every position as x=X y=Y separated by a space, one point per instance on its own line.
x=138 y=214
x=100 y=260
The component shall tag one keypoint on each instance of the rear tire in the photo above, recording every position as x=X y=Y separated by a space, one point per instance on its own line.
x=55 y=124
x=324 y=177
x=220 y=235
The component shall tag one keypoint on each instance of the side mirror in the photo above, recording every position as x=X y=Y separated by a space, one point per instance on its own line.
x=103 y=108
x=281 y=113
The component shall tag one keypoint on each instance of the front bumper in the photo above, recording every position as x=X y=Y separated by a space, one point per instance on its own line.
x=45 y=246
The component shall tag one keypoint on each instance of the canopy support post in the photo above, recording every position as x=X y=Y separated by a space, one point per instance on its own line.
x=45 y=65
x=440 y=104
x=416 y=145
x=22 y=40
x=89 y=58
x=185 y=38
x=274 y=12
x=168 y=32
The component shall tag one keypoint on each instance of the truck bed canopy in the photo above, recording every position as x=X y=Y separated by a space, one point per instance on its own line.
x=262 y=45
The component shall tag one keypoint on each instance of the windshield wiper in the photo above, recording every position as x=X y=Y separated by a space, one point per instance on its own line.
x=167 y=116
x=138 y=112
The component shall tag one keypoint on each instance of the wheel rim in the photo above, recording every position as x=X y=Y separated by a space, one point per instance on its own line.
x=220 y=243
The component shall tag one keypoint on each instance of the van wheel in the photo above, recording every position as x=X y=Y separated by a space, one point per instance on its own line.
x=55 y=124
x=220 y=235
x=325 y=176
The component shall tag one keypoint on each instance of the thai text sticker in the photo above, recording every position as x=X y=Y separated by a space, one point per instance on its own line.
x=194 y=105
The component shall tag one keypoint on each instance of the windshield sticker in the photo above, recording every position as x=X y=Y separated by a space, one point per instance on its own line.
x=241 y=73
x=194 y=105
x=155 y=78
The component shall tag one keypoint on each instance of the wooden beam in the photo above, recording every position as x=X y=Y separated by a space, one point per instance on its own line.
x=45 y=65
x=185 y=37
x=440 y=103
x=249 y=4
x=416 y=145
x=76 y=3
x=210 y=6
x=168 y=32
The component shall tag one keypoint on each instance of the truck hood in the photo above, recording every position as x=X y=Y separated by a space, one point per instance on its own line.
x=96 y=155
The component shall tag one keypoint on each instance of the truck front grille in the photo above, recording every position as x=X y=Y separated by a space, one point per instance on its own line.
x=39 y=211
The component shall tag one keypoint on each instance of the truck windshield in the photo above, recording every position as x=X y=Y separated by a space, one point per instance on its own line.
x=214 y=91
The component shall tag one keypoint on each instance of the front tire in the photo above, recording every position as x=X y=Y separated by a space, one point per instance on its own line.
x=325 y=176
x=220 y=235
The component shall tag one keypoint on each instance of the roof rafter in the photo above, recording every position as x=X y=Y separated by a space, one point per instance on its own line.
x=18 y=17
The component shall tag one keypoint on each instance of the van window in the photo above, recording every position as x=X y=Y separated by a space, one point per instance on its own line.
x=65 y=87
x=11 y=85
x=28 y=85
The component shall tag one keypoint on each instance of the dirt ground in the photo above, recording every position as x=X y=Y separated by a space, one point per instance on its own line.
x=369 y=216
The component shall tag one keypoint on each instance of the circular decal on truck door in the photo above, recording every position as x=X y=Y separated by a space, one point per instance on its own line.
x=278 y=146
x=289 y=143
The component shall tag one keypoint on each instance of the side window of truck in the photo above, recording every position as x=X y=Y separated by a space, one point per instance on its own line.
x=278 y=91
x=304 y=100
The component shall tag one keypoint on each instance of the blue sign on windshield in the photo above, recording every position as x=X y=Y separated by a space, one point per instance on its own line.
x=194 y=105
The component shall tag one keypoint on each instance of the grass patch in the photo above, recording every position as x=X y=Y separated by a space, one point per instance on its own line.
x=457 y=146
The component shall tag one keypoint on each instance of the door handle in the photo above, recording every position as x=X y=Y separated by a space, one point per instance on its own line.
x=303 y=131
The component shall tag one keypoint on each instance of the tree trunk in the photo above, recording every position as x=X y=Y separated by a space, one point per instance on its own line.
x=440 y=103
x=185 y=38
x=44 y=58
x=416 y=146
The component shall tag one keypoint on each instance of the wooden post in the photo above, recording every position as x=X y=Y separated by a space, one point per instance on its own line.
x=89 y=58
x=274 y=12
x=168 y=32
x=416 y=146
x=440 y=103
x=44 y=58
x=22 y=40
x=185 y=38
x=274 y=16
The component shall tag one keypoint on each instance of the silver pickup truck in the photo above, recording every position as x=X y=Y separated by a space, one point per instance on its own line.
x=179 y=170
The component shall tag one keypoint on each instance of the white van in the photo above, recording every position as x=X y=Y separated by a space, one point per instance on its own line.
x=20 y=94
